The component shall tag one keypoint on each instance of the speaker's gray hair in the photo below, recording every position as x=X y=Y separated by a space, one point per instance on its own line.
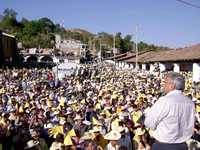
x=178 y=80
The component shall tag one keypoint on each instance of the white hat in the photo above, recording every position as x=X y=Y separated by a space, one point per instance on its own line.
x=31 y=143
x=62 y=122
x=89 y=93
x=107 y=108
x=118 y=129
x=197 y=101
x=122 y=115
x=87 y=122
x=68 y=113
x=112 y=135
x=56 y=112
x=130 y=109
x=70 y=102
x=48 y=126
x=123 y=107
x=78 y=117
x=95 y=129
x=69 y=109
x=87 y=136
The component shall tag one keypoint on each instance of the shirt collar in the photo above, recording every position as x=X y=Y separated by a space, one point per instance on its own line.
x=174 y=92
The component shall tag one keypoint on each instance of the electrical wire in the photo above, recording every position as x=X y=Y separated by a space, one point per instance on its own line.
x=189 y=4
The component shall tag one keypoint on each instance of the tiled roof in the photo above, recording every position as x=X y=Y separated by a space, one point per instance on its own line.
x=181 y=54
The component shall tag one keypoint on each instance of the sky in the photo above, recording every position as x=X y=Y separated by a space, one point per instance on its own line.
x=160 y=22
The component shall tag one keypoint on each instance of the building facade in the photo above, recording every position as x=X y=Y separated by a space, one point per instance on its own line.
x=70 y=46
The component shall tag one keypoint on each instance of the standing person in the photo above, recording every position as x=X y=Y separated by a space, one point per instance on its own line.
x=36 y=137
x=113 y=138
x=58 y=143
x=172 y=116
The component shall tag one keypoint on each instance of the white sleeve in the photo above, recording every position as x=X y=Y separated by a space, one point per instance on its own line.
x=156 y=113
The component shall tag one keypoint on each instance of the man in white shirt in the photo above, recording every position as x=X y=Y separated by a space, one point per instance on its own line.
x=172 y=116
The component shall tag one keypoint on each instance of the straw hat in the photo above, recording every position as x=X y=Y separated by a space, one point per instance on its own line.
x=78 y=117
x=70 y=102
x=95 y=129
x=86 y=122
x=124 y=114
x=119 y=129
x=31 y=143
x=123 y=108
x=107 y=107
x=112 y=135
x=62 y=121
x=68 y=112
x=57 y=146
x=96 y=122
x=87 y=136
x=56 y=112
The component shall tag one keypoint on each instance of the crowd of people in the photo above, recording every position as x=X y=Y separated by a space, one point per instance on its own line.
x=95 y=108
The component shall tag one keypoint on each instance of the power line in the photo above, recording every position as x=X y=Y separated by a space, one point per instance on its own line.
x=188 y=3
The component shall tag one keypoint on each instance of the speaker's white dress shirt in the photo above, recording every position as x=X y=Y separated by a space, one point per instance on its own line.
x=172 y=118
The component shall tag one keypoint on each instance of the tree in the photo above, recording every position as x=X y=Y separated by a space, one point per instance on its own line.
x=10 y=13
x=24 y=21
x=149 y=47
x=35 y=33
x=127 y=44
x=123 y=44
x=46 y=25
x=32 y=28
x=57 y=28
x=107 y=39
x=9 y=24
x=118 y=41
x=142 y=46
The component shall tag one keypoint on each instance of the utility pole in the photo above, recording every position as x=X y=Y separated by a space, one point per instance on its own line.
x=56 y=61
x=136 y=48
x=114 y=46
x=100 y=49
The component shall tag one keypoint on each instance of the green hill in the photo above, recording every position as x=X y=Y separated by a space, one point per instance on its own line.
x=41 y=33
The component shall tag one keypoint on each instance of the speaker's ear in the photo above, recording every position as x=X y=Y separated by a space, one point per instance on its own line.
x=172 y=86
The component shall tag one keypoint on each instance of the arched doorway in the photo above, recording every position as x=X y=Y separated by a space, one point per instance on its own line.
x=31 y=59
x=46 y=59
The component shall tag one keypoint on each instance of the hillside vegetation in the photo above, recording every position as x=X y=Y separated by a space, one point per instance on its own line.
x=41 y=33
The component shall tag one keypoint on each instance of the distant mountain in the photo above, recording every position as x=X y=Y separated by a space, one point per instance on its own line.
x=81 y=31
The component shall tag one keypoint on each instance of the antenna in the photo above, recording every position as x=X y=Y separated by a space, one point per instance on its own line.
x=62 y=23
x=136 y=47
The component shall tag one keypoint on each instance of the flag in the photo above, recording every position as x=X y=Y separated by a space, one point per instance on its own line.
x=55 y=131
x=71 y=133
x=95 y=121
x=68 y=141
